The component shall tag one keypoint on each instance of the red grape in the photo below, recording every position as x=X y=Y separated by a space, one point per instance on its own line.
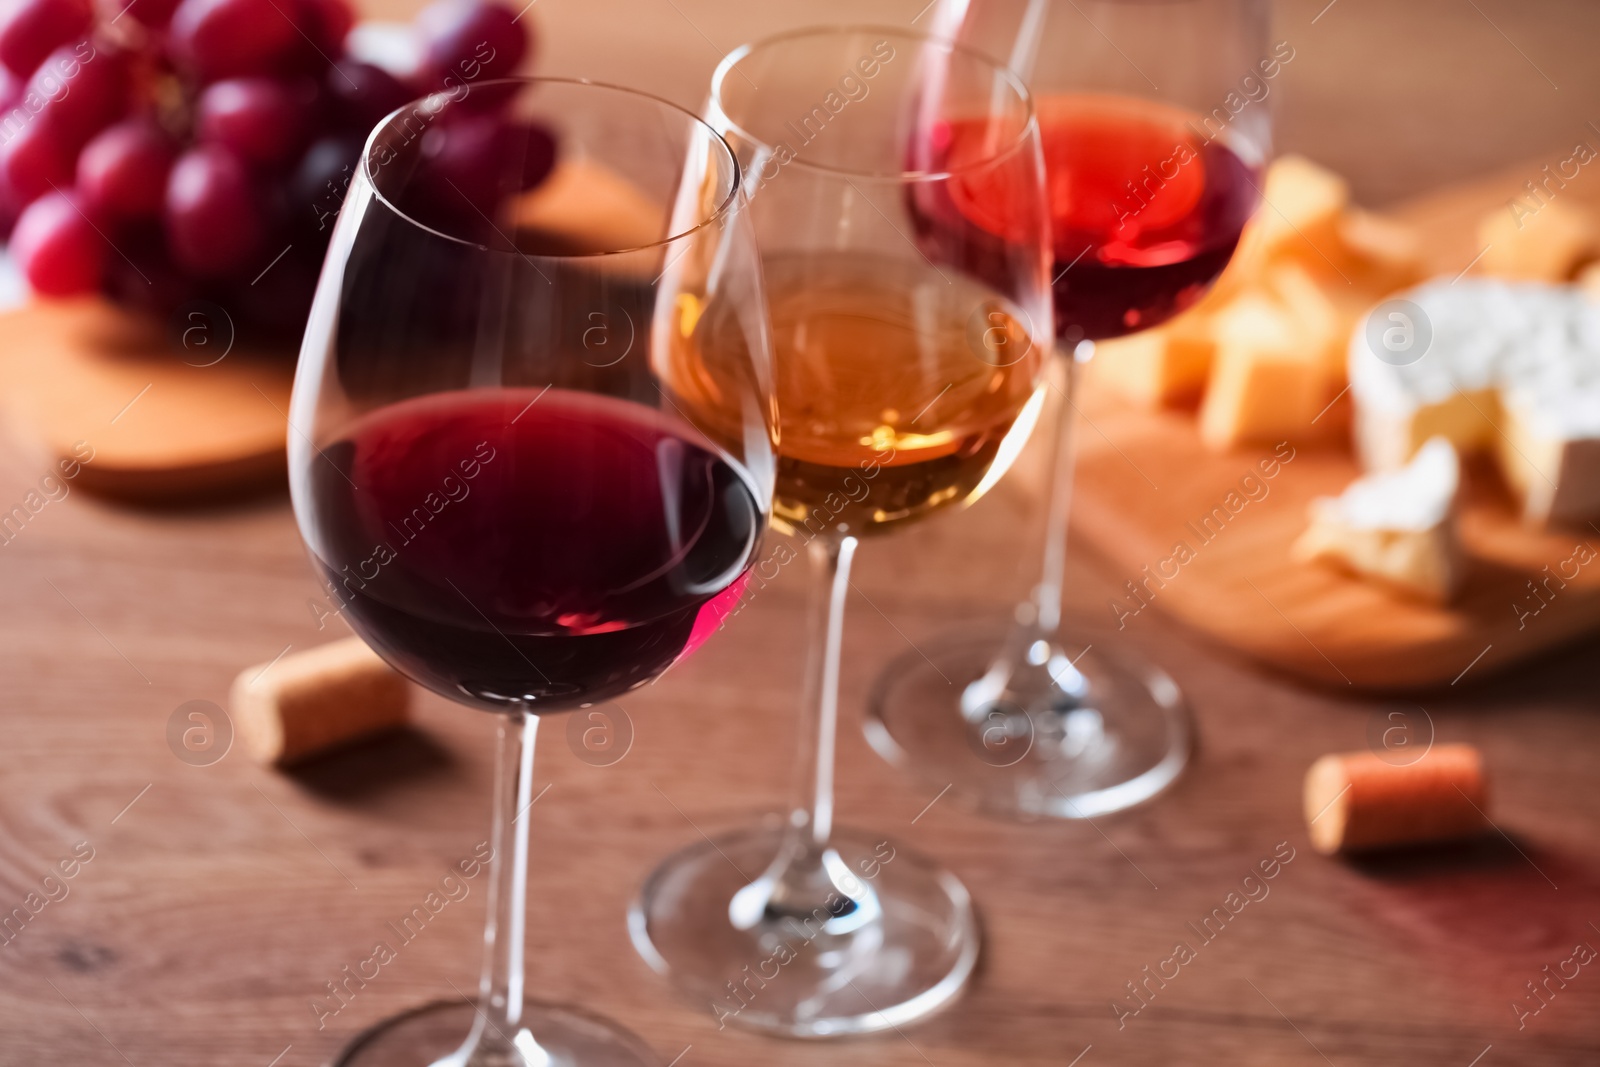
x=122 y=173
x=481 y=157
x=470 y=40
x=35 y=160
x=325 y=23
x=142 y=275
x=11 y=89
x=213 y=215
x=262 y=119
x=57 y=248
x=83 y=88
x=32 y=29
x=223 y=38
x=10 y=208
x=365 y=93
x=152 y=13
x=202 y=135
x=464 y=158
x=317 y=189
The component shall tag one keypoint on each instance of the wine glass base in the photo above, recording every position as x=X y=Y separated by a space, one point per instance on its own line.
x=1120 y=739
x=790 y=976
x=433 y=1034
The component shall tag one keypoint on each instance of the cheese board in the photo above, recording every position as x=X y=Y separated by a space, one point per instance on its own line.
x=1205 y=535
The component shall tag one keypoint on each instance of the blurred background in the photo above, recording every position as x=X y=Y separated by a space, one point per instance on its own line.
x=1396 y=97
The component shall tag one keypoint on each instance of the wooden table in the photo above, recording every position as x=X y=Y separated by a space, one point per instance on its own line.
x=221 y=898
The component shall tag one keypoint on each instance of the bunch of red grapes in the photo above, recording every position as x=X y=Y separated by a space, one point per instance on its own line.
x=169 y=150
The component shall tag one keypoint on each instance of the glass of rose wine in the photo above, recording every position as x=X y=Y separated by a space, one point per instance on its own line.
x=494 y=463
x=1155 y=139
x=909 y=354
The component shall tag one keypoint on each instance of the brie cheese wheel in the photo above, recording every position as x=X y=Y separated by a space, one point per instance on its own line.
x=1512 y=369
x=1397 y=527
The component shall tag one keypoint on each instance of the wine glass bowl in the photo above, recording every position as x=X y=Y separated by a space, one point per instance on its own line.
x=1148 y=210
x=497 y=468
x=1155 y=136
x=865 y=259
x=473 y=461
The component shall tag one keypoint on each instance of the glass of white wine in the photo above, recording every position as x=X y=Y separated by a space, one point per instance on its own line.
x=897 y=191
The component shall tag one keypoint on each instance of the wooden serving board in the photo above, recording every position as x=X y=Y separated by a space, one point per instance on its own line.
x=1145 y=481
x=171 y=412
x=160 y=421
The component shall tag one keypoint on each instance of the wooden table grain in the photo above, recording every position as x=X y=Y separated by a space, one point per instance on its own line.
x=210 y=904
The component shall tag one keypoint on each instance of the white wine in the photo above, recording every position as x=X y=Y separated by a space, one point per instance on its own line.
x=897 y=386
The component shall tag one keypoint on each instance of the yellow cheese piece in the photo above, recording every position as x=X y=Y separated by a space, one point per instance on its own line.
x=1323 y=326
x=1242 y=273
x=1589 y=280
x=1303 y=208
x=1300 y=218
x=1160 y=367
x=1257 y=396
x=1380 y=254
x=1548 y=244
x=1266 y=385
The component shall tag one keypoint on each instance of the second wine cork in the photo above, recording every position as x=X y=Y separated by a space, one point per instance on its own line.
x=1356 y=801
x=311 y=701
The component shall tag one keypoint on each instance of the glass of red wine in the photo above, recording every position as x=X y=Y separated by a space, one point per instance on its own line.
x=909 y=356
x=1155 y=135
x=496 y=466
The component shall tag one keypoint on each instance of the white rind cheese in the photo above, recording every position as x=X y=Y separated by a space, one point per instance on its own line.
x=1512 y=369
x=1397 y=526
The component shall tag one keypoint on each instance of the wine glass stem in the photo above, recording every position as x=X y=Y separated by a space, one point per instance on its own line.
x=1048 y=593
x=497 y=1037
x=812 y=815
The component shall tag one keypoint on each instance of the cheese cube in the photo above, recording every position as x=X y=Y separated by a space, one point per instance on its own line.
x=1160 y=367
x=1304 y=205
x=1589 y=280
x=1300 y=218
x=1266 y=385
x=1380 y=254
x=1546 y=243
x=1324 y=327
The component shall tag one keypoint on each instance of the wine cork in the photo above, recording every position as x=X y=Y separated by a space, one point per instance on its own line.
x=1356 y=801
x=312 y=701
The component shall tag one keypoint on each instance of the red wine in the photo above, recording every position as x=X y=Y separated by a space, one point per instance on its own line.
x=513 y=546
x=1145 y=209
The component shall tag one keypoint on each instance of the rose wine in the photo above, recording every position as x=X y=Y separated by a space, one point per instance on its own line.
x=1145 y=208
x=898 y=387
x=551 y=548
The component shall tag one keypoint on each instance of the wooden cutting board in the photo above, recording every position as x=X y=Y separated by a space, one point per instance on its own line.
x=163 y=411
x=1145 y=482
x=171 y=411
